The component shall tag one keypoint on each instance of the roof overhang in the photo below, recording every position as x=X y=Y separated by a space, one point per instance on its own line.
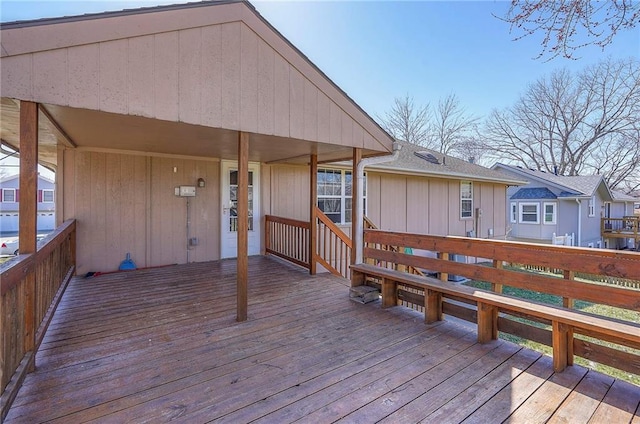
x=143 y=81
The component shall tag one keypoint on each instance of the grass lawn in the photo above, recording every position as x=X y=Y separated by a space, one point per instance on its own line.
x=598 y=309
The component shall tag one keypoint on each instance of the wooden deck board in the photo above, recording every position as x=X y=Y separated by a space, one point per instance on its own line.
x=162 y=344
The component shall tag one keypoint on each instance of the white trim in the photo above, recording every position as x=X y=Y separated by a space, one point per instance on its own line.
x=9 y=190
x=513 y=212
x=553 y=215
x=462 y=199
x=345 y=217
x=591 y=206
x=53 y=196
x=521 y=207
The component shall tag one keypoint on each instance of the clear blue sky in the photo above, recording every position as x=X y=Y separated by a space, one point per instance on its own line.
x=378 y=50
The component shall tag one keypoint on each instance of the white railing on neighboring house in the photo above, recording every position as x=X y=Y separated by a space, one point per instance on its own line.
x=565 y=240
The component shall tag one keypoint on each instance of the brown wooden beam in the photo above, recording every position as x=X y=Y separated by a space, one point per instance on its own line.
x=28 y=207
x=313 y=195
x=357 y=157
x=243 y=226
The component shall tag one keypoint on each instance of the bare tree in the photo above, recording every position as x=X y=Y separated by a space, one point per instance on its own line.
x=452 y=128
x=568 y=25
x=574 y=124
x=406 y=121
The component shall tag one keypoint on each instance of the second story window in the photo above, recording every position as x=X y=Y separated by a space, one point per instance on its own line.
x=592 y=206
x=47 y=196
x=8 y=195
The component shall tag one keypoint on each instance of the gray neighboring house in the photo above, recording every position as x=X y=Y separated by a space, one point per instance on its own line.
x=555 y=205
x=10 y=204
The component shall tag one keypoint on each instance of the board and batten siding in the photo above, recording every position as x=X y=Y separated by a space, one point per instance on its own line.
x=287 y=188
x=397 y=202
x=222 y=76
x=126 y=204
x=432 y=206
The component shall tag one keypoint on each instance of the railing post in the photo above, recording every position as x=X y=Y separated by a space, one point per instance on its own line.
x=497 y=287
x=568 y=302
x=444 y=256
x=313 y=194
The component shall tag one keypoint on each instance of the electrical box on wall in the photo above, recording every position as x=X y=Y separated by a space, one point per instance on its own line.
x=185 y=191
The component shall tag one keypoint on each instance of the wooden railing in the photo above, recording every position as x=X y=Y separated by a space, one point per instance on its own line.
x=597 y=346
x=369 y=225
x=288 y=239
x=334 y=246
x=627 y=227
x=30 y=289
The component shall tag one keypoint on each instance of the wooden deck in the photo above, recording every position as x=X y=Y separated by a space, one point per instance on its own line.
x=163 y=344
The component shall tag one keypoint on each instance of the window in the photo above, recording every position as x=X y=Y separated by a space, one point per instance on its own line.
x=466 y=199
x=592 y=206
x=514 y=213
x=8 y=195
x=335 y=194
x=550 y=213
x=47 y=196
x=529 y=213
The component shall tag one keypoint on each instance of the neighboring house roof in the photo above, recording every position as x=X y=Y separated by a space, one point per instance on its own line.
x=533 y=193
x=570 y=186
x=619 y=196
x=414 y=159
x=16 y=176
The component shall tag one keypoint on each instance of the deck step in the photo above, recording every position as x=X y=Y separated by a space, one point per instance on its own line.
x=364 y=294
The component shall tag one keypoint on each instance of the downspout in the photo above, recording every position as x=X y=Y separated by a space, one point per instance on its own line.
x=359 y=224
x=579 y=222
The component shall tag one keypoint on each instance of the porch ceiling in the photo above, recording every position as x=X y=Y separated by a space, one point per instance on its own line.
x=84 y=128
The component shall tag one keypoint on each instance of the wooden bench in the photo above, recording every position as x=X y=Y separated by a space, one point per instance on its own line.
x=564 y=321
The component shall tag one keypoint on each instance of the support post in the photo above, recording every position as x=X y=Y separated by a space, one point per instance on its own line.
x=432 y=306
x=389 y=293
x=313 y=195
x=243 y=226
x=28 y=205
x=357 y=157
x=561 y=342
x=487 y=323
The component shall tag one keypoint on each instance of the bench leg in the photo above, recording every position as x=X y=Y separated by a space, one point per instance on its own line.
x=357 y=278
x=487 y=323
x=432 y=306
x=389 y=293
x=562 y=346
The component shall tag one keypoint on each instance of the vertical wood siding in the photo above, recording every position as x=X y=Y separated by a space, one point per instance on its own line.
x=126 y=204
x=224 y=75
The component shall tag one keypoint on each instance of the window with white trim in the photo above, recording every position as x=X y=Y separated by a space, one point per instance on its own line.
x=47 y=196
x=592 y=206
x=335 y=194
x=549 y=212
x=466 y=199
x=529 y=213
x=8 y=195
x=514 y=213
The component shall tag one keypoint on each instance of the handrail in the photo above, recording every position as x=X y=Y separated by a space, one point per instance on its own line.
x=571 y=260
x=30 y=288
x=334 y=246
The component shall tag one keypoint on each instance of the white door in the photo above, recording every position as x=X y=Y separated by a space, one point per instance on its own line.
x=229 y=190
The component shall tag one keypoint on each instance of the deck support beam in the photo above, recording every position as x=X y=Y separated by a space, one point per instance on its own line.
x=28 y=205
x=487 y=322
x=313 y=223
x=243 y=226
